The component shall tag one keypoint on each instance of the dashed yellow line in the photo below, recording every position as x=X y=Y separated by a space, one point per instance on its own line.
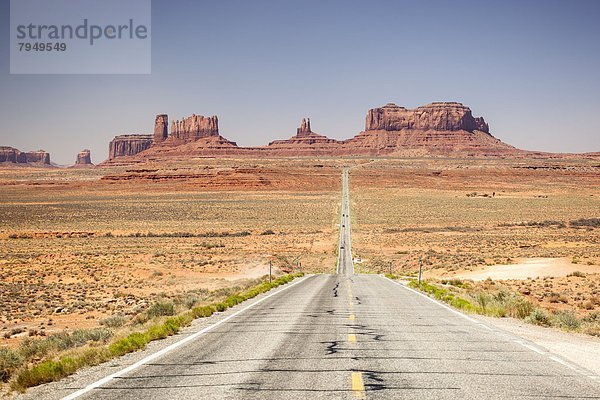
x=351 y=317
x=358 y=386
x=352 y=338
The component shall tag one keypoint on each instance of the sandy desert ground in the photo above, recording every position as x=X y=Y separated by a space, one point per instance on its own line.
x=80 y=245
x=76 y=248
x=532 y=224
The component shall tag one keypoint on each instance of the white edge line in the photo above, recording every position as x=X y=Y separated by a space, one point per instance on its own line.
x=530 y=347
x=171 y=347
x=558 y=360
x=548 y=355
x=436 y=302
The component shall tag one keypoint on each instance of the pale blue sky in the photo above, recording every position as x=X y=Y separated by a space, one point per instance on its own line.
x=531 y=68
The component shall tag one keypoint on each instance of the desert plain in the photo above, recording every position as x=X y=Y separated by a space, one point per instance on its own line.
x=80 y=247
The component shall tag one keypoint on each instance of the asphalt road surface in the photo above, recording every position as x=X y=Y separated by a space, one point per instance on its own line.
x=344 y=264
x=347 y=336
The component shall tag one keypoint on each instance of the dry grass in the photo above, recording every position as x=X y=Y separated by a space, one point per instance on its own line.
x=413 y=212
x=406 y=214
x=76 y=250
x=79 y=252
x=497 y=299
x=41 y=361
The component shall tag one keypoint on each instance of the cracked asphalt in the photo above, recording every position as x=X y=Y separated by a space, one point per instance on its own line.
x=347 y=336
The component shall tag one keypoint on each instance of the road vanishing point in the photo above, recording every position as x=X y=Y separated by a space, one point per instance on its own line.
x=340 y=336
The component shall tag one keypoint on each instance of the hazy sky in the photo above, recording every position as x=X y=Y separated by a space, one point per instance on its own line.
x=531 y=68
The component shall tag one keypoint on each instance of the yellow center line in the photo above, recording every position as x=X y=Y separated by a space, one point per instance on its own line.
x=352 y=317
x=352 y=338
x=358 y=387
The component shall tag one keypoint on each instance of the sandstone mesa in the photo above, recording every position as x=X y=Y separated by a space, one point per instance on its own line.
x=15 y=156
x=436 y=129
x=440 y=128
x=84 y=158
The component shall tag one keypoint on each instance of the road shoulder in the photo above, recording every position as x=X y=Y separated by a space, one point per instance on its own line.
x=89 y=375
x=581 y=350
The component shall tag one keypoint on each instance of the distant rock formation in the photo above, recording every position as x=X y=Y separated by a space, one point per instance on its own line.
x=128 y=145
x=194 y=127
x=84 y=158
x=481 y=125
x=12 y=155
x=436 y=129
x=161 y=128
x=38 y=157
x=304 y=127
x=304 y=143
x=186 y=130
x=439 y=116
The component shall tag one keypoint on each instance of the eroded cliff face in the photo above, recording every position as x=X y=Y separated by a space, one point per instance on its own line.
x=194 y=127
x=161 y=128
x=304 y=129
x=436 y=129
x=38 y=157
x=441 y=116
x=442 y=128
x=128 y=145
x=187 y=130
x=12 y=155
x=84 y=158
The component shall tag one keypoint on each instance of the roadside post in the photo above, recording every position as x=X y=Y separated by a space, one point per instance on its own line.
x=420 y=271
x=270 y=271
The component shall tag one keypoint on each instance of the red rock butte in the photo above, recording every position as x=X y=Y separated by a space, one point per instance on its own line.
x=440 y=116
x=14 y=156
x=436 y=129
x=84 y=159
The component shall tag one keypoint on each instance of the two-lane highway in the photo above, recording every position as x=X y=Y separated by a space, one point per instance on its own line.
x=345 y=265
x=347 y=336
